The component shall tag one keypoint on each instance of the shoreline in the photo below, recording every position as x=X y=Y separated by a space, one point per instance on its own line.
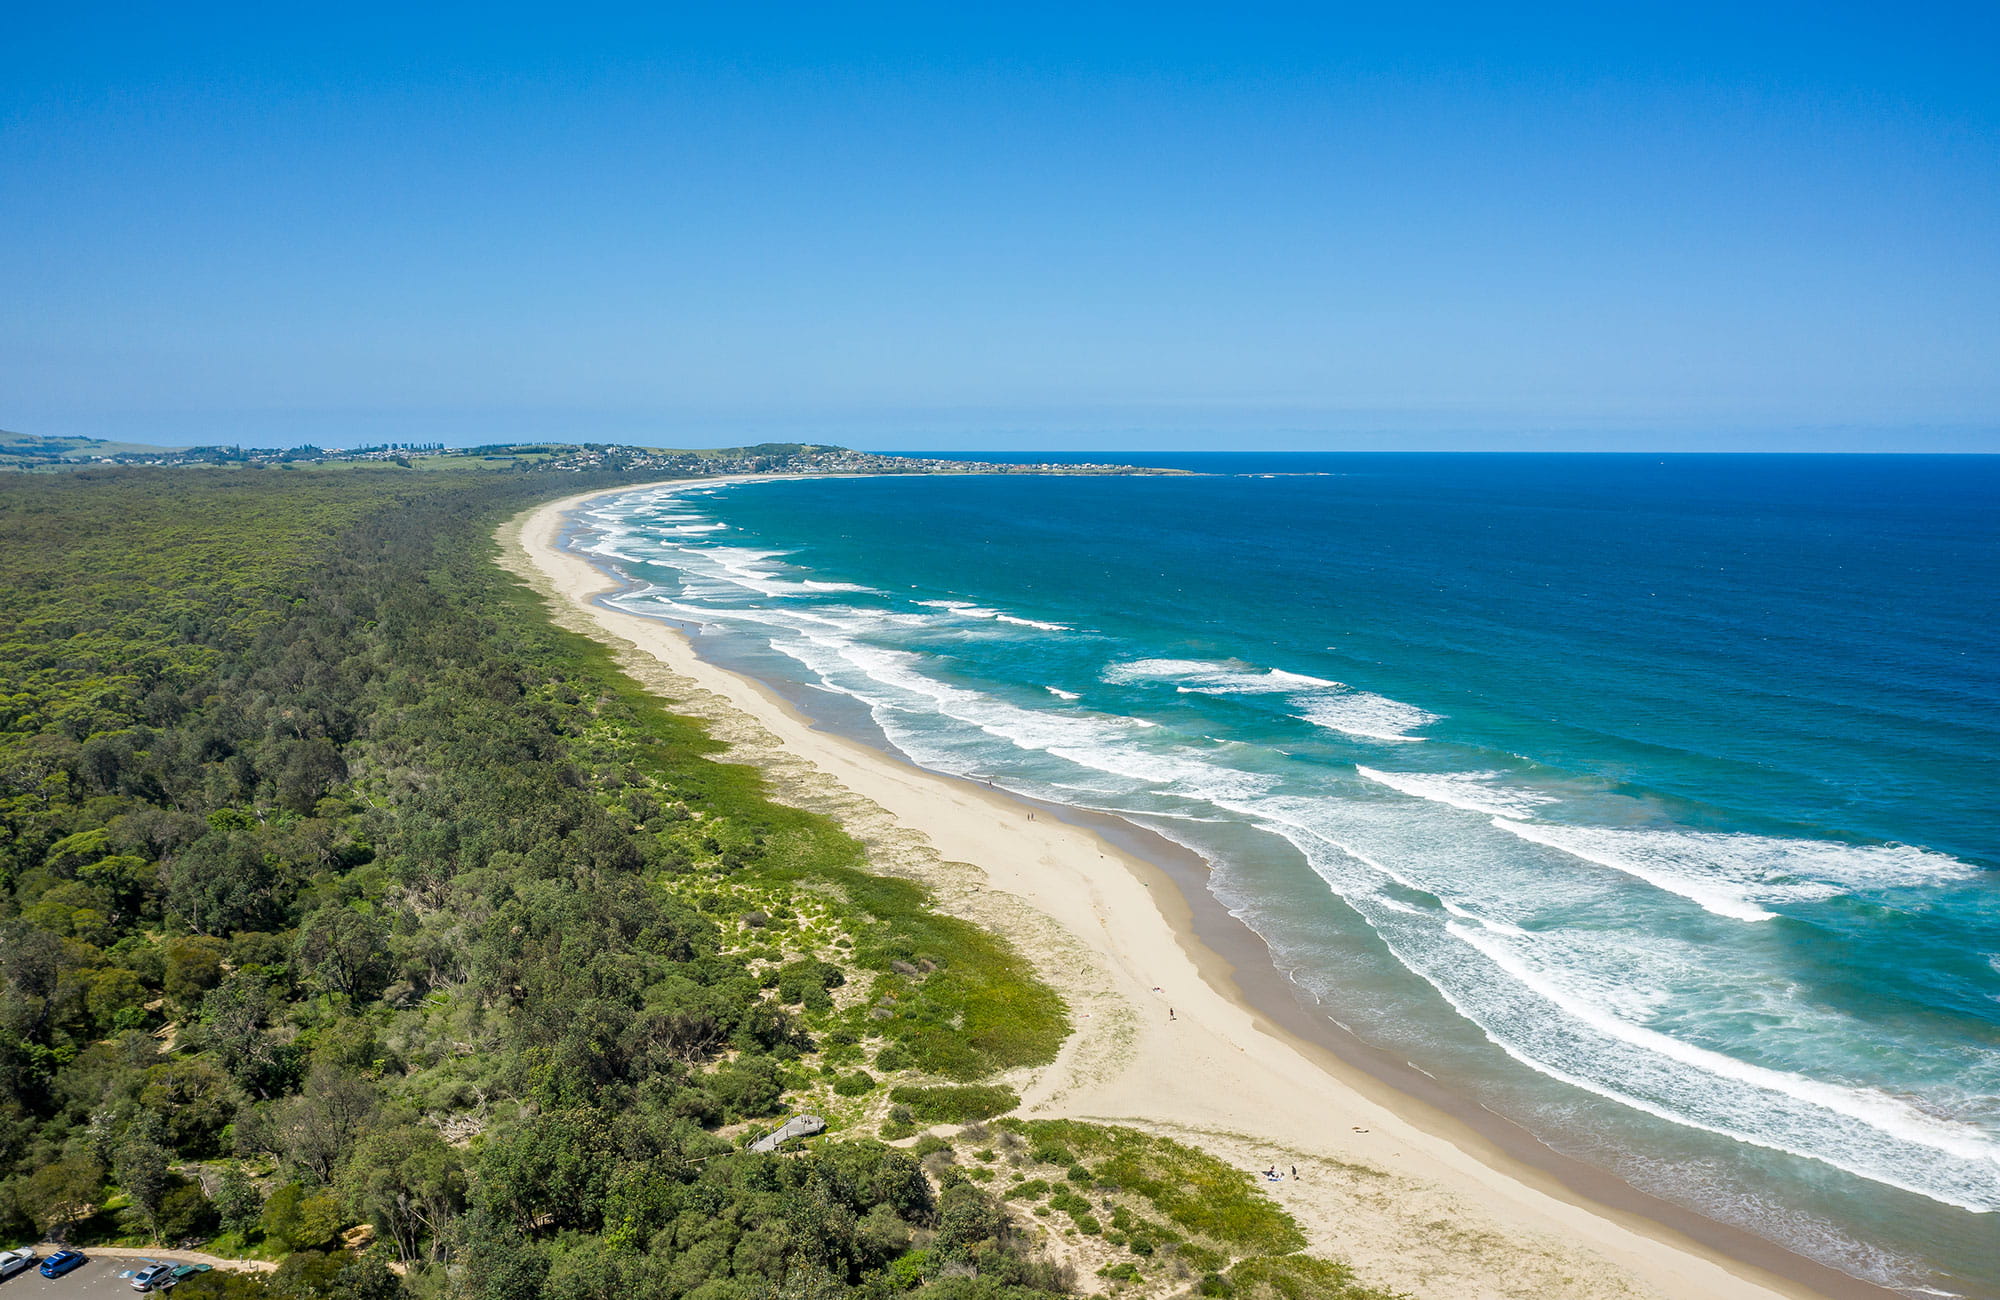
x=1416 y=1188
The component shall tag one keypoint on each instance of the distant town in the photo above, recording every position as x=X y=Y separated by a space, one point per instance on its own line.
x=30 y=453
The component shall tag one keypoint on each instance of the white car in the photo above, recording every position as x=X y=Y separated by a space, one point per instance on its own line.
x=157 y=1277
x=13 y=1261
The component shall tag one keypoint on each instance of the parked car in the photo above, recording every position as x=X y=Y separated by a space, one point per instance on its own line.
x=62 y=1262
x=13 y=1261
x=153 y=1277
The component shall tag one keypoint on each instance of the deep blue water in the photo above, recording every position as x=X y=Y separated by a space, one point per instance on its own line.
x=1651 y=800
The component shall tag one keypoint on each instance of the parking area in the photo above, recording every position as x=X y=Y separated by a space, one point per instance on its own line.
x=99 y=1279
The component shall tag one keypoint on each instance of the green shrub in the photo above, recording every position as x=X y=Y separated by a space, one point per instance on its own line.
x=907 y=1272
x=748 y=1088
x=1201 y=1258
x=301 y=1221
x=957 y=1105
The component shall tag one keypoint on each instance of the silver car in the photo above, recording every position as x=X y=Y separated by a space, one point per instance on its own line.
x=154 y=1277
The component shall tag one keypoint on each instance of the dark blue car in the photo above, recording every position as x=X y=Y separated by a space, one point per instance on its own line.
x=62 y=1262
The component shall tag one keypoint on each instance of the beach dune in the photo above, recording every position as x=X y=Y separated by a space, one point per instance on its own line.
x=1412 y=1197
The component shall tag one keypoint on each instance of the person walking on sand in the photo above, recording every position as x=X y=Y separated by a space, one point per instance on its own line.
x=1170 y=1013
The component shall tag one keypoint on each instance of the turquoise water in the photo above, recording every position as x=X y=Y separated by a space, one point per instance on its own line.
x=1648 y=801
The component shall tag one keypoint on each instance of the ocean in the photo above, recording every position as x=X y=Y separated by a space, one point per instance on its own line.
x=1648 y=801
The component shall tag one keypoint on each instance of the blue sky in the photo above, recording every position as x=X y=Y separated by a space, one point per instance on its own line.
x=1324 y=226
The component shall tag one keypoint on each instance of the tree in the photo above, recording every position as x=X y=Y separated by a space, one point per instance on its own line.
x=194 y=966
x=342 y=951
x=317 y=1128
x=307 y=1275
x=410 y=1184
x=306 y=771
x=966 y=1218
x=232 y=1027
x=551 y=1168
x=238 y=1203
x=749 y=1086
x=115 y=999
x=193 y=1100
x=223 y=882
x=64 y=1193
x=367 y=1277
x=299 y=1220
x=141 y=1169
x=186 y=1213
x=31 y=963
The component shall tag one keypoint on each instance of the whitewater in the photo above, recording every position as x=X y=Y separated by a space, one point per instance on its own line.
x=1693 y=885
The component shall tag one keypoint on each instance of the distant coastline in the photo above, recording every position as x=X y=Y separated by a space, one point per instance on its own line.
x=34 y=452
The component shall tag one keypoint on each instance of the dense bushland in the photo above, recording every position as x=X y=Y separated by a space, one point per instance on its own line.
x=343 y=896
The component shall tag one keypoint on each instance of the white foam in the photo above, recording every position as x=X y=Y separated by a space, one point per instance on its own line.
x=1098 y=742
x=966 y=609
x=1471 y=791
x=1372 y=717
x=1549 y=1008
x=1062 y=694
x=1326 y=703
x=1228 y=677
x=716 y=569
x=1733 y=874
x=1957 y=1162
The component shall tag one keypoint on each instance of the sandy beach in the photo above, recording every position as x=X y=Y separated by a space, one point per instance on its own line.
x=1414 y=1197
